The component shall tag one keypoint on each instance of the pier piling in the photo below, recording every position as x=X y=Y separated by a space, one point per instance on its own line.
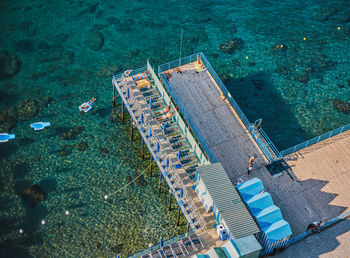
x=178 y=216
x=131 y=130
x=150 y=167
x=160 y=182
x=113 y=101
x=123 y=112
x=142 y=150
x=169 y=205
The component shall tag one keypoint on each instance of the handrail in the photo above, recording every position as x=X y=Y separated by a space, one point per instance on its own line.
x=314 y=140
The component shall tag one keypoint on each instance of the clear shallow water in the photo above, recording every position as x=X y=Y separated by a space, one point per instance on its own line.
x=293 y=93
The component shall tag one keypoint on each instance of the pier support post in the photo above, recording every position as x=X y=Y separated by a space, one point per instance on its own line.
x=142 y=151
x=160 y=182
x=169 y=205
x=131 y=130
x=123 y=112
x=150 y=167
x=113 y=95
x=178 y=217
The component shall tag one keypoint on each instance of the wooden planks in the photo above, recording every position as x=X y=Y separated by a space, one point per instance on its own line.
x=318 y=182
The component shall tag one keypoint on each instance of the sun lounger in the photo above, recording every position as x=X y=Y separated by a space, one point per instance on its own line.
x=142 y=83
x=168 y=252
x=177 y=250
x=196 y=241
x=188 y=245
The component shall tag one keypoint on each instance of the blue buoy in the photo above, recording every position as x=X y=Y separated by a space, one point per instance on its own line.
x=164 y=128
x=5 y=137
x=150 y=132
x=181 y=193
x=150 y=102
x=158 y=147
x=167 y=162
x=141 y=118
x=179 y=155
x=127 y=93
x=39 y=125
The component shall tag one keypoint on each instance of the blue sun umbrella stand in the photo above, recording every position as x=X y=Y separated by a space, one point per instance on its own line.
x=39 y=125
x=5 y=137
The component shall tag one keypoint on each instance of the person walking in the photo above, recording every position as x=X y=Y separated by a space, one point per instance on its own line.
x=251 y=164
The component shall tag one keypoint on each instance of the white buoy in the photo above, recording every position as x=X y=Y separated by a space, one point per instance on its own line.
x=67 y=212
x=21 y=231
x=43 y=222
x=106 y=197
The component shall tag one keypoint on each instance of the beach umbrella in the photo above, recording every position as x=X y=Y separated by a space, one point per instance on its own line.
x=158 y=147
x=181 y=193
x=150 y=102
x=150 y=132
x=179 y=155
x=161 y=244
x=127 y=93
x=167 y=162
x=117 y=255
x=164 y=128
x=141 y=118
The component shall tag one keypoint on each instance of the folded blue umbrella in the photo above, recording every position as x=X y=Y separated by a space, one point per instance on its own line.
x=150 y=132
x=158 y=147
x=39 y=125
x=167 y=162
x=150 y=102
x=179 y=155
x=5 y=137
x=141 y=118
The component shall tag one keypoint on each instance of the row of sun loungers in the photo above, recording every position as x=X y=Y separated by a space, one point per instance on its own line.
x=185 y=246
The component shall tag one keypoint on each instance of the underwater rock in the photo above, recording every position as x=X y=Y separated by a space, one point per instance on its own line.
x=65 y=150
x=258 y=84
x=28 y=109
x=32 y=195
x=94 y=40
x=236 y=62
x=103 y=150
x=325 y=14
x=25 y=45
x=8 y=118
x=341 y=106
x=341 y=86
x=9 y=65
x=113 y=20
x=44 y=101
x=140 y=180
x=232 y=45
x=57 y=54
x=72 y=133
x=91 y=9
x=60 y=38
x=348 y=82
x=117 y=248
x=82 y=146
x=114 y=116
x=303 y=78
x=345 y=17
x=99 y=26
x=279 y=47
x=128 y=179
x=251 y=63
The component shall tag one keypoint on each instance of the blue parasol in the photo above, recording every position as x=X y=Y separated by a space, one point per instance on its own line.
x=150 y=102
x=150 y=132
x=179 y=155
x=127 y=93
x=141 y=118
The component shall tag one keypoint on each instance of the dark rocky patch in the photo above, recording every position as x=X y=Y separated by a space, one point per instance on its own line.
x=348 y=82
x=9 y=65
x=25 y=45
x=128 y=179
x=325 y=14
x=140 y=180
x=28 y=109
x=117 y=248
x=251 y=63
x=32 y=195
x=113 y=20
x=236 y=62
x=57 y=54
x=72 y=133
x=44 y=101
x=258 y=84
x=65 y=150
x=82 y=146
x=341 y=106
x=341 y=86
x=44 y=45
x=232 y=45
x=91 y=9
x=114 y=116
x=8 y=118
x=103 y=150
x=60 y=38
x=26 y=141
x=303 y=77
x=279 y=47
x=98 y=27
x=94 y=40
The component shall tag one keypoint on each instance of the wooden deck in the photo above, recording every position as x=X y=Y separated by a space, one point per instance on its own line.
x=318 y=181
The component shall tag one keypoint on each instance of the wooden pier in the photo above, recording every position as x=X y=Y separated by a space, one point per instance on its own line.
x=315 y=183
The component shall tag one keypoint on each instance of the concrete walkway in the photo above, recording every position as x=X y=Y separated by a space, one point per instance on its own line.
x=332 y=242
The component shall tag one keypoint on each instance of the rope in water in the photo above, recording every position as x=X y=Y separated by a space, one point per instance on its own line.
x=107 y=196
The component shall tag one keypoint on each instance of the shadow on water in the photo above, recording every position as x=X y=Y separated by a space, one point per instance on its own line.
x=268 y=105
x=6 y=148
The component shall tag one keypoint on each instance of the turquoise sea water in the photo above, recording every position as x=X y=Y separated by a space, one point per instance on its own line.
x=68 y=52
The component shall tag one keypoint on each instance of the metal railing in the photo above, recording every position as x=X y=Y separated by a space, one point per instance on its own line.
x=165 y=243
x=314 y=140
x=265 y=144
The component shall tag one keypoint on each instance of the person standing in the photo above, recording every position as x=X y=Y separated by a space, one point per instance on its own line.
x=251 y=164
